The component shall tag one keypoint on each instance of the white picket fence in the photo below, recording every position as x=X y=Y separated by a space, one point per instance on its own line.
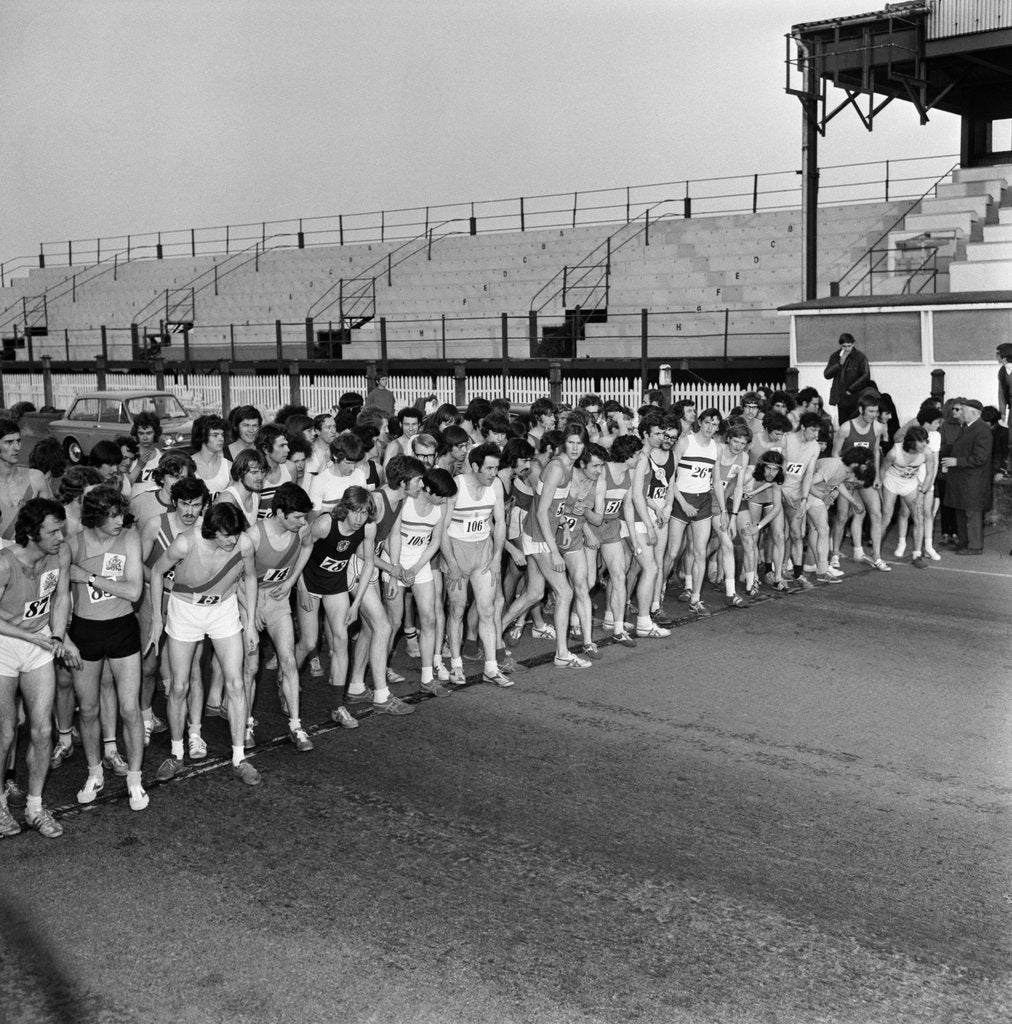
x=320 y=392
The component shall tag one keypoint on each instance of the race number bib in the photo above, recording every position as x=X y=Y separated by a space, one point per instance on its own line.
x=702 y=473
x=794 y=468
x=113 y=568
x=333 y=564
x=416 y=540
x=611 y=506
x=208 y=599
x=275 y=575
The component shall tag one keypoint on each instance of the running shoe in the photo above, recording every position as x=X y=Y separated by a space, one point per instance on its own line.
x=45 y=824
x=115 y=763
x=804 y=582
x=918 y=562
x=835 y=573
x=901 y=548
x=590 y=651
x=735 y=601
x=196 y=747
x=169 y=769
x=575 y=630
x=315 y=668
x=411 y=646
x=834 y=562
x=392 y=706
x=138 y=798
x=517 y=631
x=249 y=740
x=147 y=738
x=300 y=738
x=8 y=823
x=824 y=577
x=624 y=639
x=470 y=650
x=158 y=725
x=546 y=632
x=14 y=795
x=879 y=564
x=781 y=587
x=441 y=671
x=245 y=772
x=93 y=785
x=661 y=618
x=435 y=687
x=573 y=661
x=457 y=676
x=393 y=677
x=344 y=718
x=62 y=753
x=498 y=677
x=215 y=711
x=362 y=697
x=654 y=632
x=699 y=609
x=685 y=597
x=507 y=663
x=809 y=568
x=932 y=554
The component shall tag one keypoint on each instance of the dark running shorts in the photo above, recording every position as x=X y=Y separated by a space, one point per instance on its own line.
x=97 y=639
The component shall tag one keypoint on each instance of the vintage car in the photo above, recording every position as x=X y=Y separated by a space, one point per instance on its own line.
x=104 y=415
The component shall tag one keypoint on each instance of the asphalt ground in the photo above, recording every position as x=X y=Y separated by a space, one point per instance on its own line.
x=795 y=812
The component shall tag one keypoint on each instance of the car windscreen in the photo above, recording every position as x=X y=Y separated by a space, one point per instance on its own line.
x=165 y=407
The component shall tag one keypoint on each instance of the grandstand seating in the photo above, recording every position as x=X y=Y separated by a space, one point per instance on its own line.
x=712 y=284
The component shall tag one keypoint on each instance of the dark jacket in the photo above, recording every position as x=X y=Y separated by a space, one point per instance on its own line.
x=849 y=379
x=968 y=483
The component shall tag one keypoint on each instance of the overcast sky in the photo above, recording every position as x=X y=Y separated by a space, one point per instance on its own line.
x=128 y=116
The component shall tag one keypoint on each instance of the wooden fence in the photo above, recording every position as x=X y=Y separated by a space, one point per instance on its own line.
x=202 y=393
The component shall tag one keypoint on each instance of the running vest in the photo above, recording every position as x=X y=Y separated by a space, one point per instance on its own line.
x=728 y=474
x=695 y=468
x=386 y=522
x=273 y=566
x=9 y=509
x=656 y=484
x=163 y=538
x=213 y=590
x=865 y=440
x=27 y=599
x=531 y=525
x=267 y=493
x=326 y=571
x=88 y=602
x=614 y=493
x=416 y=531
x=251 y=516
x=217 y=483
x=472 y=517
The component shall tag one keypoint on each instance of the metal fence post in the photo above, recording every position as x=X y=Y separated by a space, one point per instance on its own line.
x=791 y=378
x=371 y=374
x=158 y=364
x=555 y=381
x=505 y=351
x=280 y=353
x=460 y=384
x=47 y=380
x=644 y=342
x=938 y=385
x=105 y=341
x=383 y=342
x=100 y=372
x=294 y=383
x=186 y=355
x=532 y=331
x=226 y=387
x=310 y=345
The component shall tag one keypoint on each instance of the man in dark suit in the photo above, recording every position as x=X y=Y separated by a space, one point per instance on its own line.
x=966 y=463
x=849 y=371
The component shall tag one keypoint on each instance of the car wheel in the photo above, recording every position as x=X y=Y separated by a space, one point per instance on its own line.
x=72 y=448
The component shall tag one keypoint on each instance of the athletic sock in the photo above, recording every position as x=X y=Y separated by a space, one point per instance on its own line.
x=133 y=780
x=728 y=587
x=381 y=696
x=108 y=746
x=749 y=580
x=294 y=724
x=195 y=729
x=33 y=808
x=797 y=570
x=356 y=688
x=238 y=755
x=457 y=663
x=643 y=623
x=491 y=667
x=177 y=749
x=427 y=673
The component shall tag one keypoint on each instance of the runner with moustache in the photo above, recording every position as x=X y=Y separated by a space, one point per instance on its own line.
x=151 y=499
x=272 y=443
x=107 y=577
x=210 y=564
x=34 y=609
x=248 y=473
x=279 y=557
x=189 y=499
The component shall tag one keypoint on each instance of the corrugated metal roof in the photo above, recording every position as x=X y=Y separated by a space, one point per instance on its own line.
x=961 y=17
x=916 y=7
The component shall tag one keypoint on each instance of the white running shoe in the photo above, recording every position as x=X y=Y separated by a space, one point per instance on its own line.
x=901 y=547
x=932 y=554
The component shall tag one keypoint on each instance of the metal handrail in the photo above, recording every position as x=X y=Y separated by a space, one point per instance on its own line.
x=616 y=204
x=888 y=230
x=588 y=267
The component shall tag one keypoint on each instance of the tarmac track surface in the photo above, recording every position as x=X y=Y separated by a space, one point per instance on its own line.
x=798 y=812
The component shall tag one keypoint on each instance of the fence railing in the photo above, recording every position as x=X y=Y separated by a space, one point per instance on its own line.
x=701 y=197
x=208 y=393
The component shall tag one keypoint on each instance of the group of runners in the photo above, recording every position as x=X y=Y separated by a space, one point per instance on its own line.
x=454 y=530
